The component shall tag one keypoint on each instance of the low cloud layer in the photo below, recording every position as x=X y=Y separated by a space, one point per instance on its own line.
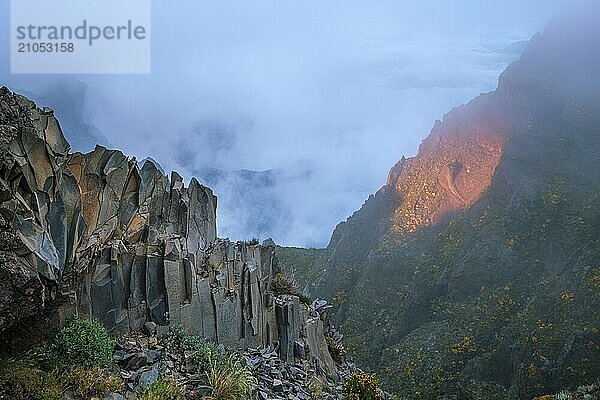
x=322 y=97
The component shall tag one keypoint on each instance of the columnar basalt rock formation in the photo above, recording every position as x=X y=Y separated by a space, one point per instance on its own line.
x=106 y=237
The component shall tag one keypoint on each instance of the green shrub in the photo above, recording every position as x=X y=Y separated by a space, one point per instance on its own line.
x=362 y=386
x=335 y=349
x=230 y=379
x=163 y=389
x=304 y=298
x=315 y=388
x=285 y=285
x=83 y=342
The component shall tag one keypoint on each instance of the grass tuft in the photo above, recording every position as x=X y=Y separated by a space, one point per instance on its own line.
x=230 y=379
x=163 y=389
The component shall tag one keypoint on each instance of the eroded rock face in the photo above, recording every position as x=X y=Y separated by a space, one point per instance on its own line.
x=107 y=238
x=453 y=168
x=28 y=196
x=107 y=231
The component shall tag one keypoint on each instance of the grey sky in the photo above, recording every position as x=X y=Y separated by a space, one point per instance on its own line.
x=328 y=93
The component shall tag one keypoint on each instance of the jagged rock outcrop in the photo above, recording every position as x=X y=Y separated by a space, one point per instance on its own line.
x=99 y=235
x=72 y=102
x=94 y=223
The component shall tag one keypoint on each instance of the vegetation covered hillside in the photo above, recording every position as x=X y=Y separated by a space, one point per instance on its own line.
x=474 y=272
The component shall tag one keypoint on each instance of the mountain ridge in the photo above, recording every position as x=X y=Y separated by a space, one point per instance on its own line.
x=479 y=280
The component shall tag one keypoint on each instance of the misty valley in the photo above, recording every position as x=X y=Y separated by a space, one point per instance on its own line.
x=471 y=273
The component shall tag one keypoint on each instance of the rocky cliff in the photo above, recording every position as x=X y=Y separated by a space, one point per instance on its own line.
x=473 y=272
x=99 y=235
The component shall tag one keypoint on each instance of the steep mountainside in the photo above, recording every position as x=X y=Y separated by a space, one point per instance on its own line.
x=474 y=271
